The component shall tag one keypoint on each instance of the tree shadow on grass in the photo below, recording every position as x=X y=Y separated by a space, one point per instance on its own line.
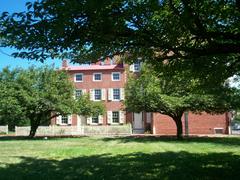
x=229 y=141
x=165 y=165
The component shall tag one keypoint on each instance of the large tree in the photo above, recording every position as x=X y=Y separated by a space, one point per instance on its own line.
x=202 y=35
x=152 y=91
x=40 y=94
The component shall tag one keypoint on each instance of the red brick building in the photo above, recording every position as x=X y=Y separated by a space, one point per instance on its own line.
x=105 y=82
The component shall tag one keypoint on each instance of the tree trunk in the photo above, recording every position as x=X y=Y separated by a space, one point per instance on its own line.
x=178 y=122
x=34 y=126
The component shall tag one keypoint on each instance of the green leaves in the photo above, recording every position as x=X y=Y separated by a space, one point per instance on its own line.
x=36 y=94
x=155 y=92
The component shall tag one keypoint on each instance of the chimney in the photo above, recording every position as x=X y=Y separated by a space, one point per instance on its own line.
x=108 y=61
x=64 y=64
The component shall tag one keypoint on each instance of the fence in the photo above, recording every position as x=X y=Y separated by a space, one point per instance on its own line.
x=75 y=130
x=4 y=129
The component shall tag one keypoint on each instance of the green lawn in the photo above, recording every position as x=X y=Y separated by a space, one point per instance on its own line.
x=120 y=158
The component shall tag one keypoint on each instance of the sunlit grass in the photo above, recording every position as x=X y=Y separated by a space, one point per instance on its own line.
x=120 y=158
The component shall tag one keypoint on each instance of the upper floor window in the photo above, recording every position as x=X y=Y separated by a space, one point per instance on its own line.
x=97 y=76
x=136 y=67
x=97 y=94
x=116 y=94
x=78 y=77
x=78 y=93
x=115 y=76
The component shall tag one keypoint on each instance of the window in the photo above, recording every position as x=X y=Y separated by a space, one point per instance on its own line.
x=116 y=94
x=115 y=117
x=78 y=93
x=78 y=77
x=97 y=76
x=218 y=130
x=95 y=120
x=97 y=94
x=64 y=120
x=136 y=67
x=115 y=76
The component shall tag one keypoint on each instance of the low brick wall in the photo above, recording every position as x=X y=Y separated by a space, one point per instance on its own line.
x=4 y=129
x=198 y=124
x=75 y=130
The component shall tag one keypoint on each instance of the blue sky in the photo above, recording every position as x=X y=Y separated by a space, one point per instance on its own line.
x=5 y=59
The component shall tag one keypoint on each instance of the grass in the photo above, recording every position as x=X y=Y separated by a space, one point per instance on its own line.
x=120 y=158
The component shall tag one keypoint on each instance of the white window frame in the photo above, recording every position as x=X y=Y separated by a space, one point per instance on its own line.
x=90 y=122
x=97 y=120
x=113 y=94
x=59 y=120
x=95 y=94
x=136 y=65
x=118 y=74
x=118 y=117
x=97 y=79
x=75 y=77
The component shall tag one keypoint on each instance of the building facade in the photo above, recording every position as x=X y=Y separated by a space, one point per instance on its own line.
x=105 y=82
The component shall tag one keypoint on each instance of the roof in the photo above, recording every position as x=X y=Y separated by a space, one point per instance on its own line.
x=94 y=67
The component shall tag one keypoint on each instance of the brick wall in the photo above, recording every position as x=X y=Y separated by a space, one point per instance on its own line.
x=198 y=123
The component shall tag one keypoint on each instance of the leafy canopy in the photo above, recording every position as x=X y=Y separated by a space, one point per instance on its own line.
x=152 y=91
x=198 y=35
x=39 y=94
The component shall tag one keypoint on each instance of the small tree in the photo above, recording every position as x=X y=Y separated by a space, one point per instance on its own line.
x=172 y=96
x=40 y=94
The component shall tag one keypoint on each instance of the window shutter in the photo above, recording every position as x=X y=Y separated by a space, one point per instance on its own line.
x=58 y=120
x=89 y=120
x=109 y=117
x=100 y=119
x=122 y=94
x=84 y=91
x=131 y=68
x=69 y=119
x=122 y=117
x=110 y=94
x=91 y=94
x=103 y=94
x=74 y=94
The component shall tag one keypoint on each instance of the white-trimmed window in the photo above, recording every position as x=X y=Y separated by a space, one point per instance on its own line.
x=78 y=93
x=97 y=94
x=115 y=117
x=116 y=76
x=78 y=77
x=116 y=94
x=97 y=76
x=64 y=120
x=135 y=67
x=94 y=120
